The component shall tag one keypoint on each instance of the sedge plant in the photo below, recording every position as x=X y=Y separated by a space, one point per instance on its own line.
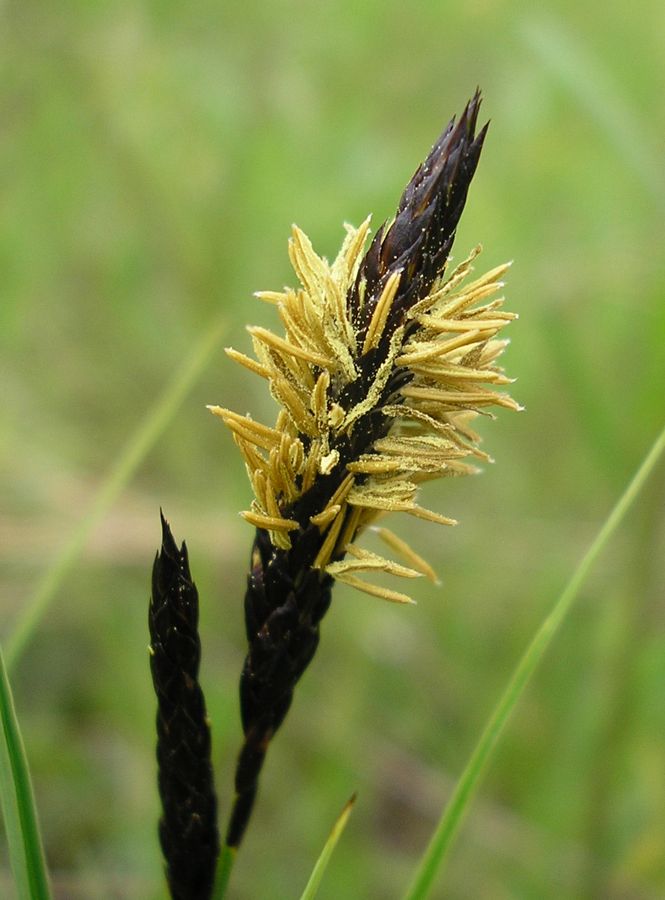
x=386 y=357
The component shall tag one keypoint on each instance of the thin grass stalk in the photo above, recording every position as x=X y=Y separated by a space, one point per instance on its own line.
x=114 y=482
x=19 y=810
x=633 y=625
x=434 y=858
x=225 y=863
x=314 y=882
x=574 y=65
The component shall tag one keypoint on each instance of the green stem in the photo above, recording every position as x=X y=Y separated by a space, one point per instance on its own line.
x=312 y=886
x=618 y=729
x=151 y=426
x=446 y=831
x=224 y=868
x=592 y=86
x=18 y=803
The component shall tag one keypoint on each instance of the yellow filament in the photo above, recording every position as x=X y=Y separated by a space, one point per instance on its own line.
x=272 y=523
x=381 y=310
x=374 y=590
x=328 y=546
x=407 y=553
x=272 y=340
x=248 y=362
x=324 y=518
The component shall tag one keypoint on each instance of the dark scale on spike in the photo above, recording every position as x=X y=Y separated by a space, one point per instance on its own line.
x=421 y=236
x=285 y=601
x=286 y=598
x=188 y=827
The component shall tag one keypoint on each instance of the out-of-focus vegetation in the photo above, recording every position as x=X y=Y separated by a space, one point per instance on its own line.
x=153 y=158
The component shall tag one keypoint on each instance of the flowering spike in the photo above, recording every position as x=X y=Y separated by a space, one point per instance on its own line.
x=188 y=826
x=385 y=358
x=421 y=235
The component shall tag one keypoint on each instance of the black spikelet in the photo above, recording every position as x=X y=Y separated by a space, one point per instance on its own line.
x=420 y=237
x=188 y=826
x=285 y=601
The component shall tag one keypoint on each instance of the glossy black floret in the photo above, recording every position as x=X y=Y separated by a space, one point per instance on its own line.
x=188 y=826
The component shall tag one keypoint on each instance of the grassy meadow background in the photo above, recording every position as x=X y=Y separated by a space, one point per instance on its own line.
x=154 y=156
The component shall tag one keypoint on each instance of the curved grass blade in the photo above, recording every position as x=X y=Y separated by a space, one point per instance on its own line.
x=18 y=804
x=314 y=882
x=135 y=451
x=433 y=860
x=227 y=857
x=574 y=66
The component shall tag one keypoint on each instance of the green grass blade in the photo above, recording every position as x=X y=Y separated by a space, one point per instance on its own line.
x=434 y=857
x=314 y=882
x=227 y=857
x=18 y=804
x=574 y=66
x=139 y=444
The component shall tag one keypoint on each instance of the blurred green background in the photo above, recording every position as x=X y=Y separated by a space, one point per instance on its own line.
x=154 y=156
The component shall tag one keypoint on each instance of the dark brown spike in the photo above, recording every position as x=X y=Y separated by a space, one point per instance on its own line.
x=188 y=826
x=285 y=601
x=420 y=237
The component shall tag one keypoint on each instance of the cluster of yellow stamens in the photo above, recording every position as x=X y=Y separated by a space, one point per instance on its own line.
x=446 y=341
